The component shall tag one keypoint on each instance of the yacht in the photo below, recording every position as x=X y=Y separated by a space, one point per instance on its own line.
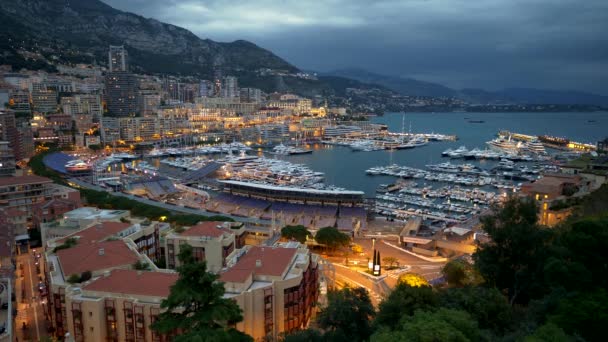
x=123 y=156
x=459 y=152
x=289 y=150
x=535 y=146
x=502 y=144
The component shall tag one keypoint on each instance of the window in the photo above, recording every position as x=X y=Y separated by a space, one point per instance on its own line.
x=91 y=329
x=90 y=314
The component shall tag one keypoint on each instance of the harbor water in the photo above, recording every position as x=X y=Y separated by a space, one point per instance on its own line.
x=346 y=168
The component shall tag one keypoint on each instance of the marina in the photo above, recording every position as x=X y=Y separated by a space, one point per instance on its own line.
x=428 y=175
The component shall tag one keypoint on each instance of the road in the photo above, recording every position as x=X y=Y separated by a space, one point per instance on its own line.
x=30 y=307
x=428 y=269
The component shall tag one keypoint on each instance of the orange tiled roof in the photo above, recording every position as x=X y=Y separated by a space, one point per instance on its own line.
x=86 y=257
x=274 y=262
x=144 y=283
x=98 y=232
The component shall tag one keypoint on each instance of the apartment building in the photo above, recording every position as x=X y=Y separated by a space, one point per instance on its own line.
x=91 y=224
x=276 y=287
x=211 y=242
x=7 y=160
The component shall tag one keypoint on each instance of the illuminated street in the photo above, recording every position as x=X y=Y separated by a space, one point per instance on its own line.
x=31 y=324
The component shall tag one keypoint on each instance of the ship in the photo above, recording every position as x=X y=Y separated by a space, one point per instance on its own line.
x=289 y=150
x=535 y=146
x=502 y=144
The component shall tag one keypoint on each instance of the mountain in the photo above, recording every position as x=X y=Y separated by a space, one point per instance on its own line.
x=405 y=86
x=412 y=87
x=82 y=30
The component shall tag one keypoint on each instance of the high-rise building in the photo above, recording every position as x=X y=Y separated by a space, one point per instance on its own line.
x=251 y=95
x=44 y=100
x=230 y=87
x=121 y=93
x=206 y=89
x=7 y=160
x=20 y=101
x=10 y=131
x=149 y=102
x=117 y=58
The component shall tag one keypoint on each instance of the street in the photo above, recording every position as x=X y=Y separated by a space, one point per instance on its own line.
x=378 y=289
x=31 y=323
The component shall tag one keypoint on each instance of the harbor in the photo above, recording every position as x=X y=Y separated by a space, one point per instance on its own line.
x=437 y=177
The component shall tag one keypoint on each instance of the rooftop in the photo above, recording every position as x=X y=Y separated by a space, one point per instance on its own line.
x=273 y=262
x=97 y=232
x=143 y=283
x=206 y=229
x=95 y=257
x=90 y=213
x=22 y=180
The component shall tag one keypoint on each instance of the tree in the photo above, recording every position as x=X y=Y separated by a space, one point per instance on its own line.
x=515 y=258
x=141 y=266
x=390 y=261
x=412 y=279
x=299 y=233
x=195 y=306
x=460 y=273
x=486 y=305
x=332 y=237
x=348 y=315
x=305 y=335
x=583 y=314
x=404 y=301
x=548 y=333
x=430 y=326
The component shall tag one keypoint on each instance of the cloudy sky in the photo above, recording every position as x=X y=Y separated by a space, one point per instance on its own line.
x=492 y=44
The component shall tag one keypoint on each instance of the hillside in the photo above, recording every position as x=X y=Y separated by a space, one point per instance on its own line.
x=412 y=87
x=82 y=30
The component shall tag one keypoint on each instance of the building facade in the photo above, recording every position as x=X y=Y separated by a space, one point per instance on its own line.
x=121 y=93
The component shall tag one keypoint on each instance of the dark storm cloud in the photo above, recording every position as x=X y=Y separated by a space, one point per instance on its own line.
x=493 y=44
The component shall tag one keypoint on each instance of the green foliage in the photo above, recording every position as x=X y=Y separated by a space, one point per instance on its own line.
x=35 y=237
x=460 y=273
x=389 y=262
x=141 y=266
x=37 y=165
x=583 y=314
x=69 y=243
x=196 y=306
x=515 y=258
x=298 y=233
x=404 y=301
x=486 y=305
x=332 y=237
x=75 y=278
x=430 y=326
x=106 y=200
x=86 y=275
x=305 y=335
x=549 y=333
x=348 y=315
